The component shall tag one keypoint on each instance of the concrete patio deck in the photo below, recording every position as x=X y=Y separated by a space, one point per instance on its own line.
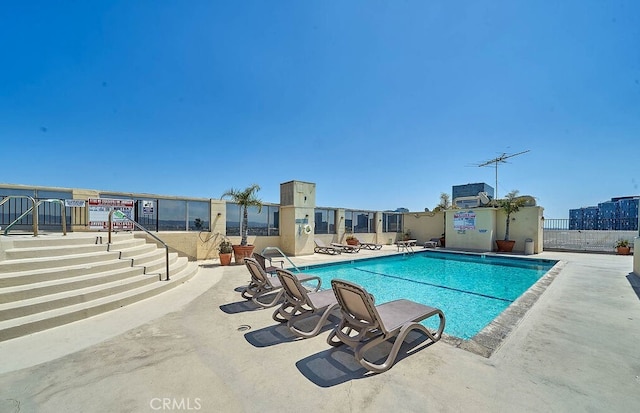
x=201 y=347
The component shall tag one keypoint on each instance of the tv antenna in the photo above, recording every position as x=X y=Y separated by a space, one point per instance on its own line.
x=498 y=160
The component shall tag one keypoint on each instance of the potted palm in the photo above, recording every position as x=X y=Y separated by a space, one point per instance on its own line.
x=225 y=250
x=623 y=247
x=352 y=240
x=510 y=205
x=244 y=198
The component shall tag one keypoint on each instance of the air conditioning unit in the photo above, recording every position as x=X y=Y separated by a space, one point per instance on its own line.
x=475 y=201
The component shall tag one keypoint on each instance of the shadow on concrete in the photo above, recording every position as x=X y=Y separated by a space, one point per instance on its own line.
x=338 y=365
x=634 y=280
x=240 y=307
x=271 y=336
x=280 y=333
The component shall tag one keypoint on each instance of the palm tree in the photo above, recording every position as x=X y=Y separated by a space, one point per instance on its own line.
x=245 y=198
x=444 y=202
x=510 y=205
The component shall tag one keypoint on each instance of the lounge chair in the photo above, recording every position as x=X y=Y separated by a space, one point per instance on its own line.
x=301 y=304
x=373 y=324
x=406 y=244
x=262 y=284
x=323 y=248
x=370 y=245
x=270 y=268
x=346 y=247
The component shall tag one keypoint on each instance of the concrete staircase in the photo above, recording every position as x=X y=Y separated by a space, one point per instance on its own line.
x=51 y=280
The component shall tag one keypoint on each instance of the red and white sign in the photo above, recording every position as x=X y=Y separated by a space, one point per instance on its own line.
x=99 y=209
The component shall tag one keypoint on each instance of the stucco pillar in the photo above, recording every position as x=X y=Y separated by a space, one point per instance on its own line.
x=297 y=207
x=80 y=215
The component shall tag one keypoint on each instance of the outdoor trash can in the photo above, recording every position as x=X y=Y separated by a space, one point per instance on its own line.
x=528 y=246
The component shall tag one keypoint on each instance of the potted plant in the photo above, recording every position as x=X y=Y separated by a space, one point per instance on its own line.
x=352 y=240
x=244 y=198
x=407 y=235
x=623 y=247
x=510 y=205
x=225 y=250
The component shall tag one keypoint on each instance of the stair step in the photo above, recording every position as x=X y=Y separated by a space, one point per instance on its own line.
x=66 y=298
x=12 y=279
x=17 y=327
x=69 y=239
x=57 y=285
x=42 y=252
x=60 y=261
x=137 y=250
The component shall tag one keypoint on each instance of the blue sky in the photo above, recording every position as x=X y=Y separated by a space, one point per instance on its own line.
x=382 y=104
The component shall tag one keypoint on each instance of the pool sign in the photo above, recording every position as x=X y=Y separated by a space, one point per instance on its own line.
x=464 y=220
x=74 y=203
x=147 y=207
x=99 y=209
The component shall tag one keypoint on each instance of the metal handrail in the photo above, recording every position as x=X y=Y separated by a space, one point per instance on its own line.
x=282 y=254
x=123 y=216
x=34 y=209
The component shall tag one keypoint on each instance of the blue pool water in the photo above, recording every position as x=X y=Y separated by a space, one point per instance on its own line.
x=470 y=289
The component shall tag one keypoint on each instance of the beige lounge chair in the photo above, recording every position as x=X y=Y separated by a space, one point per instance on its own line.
x=346 y=247
x=301 y=304
x=323 y=248
x=262 y=284
x=365 y=325
x=370 y=245
x=262 y=260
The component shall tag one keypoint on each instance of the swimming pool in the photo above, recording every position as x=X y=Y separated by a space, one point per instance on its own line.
x=471 y=289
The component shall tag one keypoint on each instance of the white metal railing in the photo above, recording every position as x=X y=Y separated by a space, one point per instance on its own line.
x=585 y=240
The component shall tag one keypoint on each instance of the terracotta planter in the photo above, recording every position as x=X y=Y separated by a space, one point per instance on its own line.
x=442 y=242
x=353 y=242
x=242 y=251
x=623 y=250
x=225 y=258
x=505 y=246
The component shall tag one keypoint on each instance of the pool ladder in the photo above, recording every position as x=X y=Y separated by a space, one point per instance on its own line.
x=407 y=249
x=277 y=252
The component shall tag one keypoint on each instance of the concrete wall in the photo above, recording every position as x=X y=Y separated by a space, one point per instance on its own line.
x=424 y=225
x=480 y=238
x=490 y=224
x=297 y=207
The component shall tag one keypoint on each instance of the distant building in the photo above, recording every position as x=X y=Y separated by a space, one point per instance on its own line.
x=619 y=214
x=458 y=191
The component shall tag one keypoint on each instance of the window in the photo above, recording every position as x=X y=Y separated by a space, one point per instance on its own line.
x=170 y=214
x=359 y=221
x=263 y=223
x=198 y=214
x=391 y=222
x=325 y=221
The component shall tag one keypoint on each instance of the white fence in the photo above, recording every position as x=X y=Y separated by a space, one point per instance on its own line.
x=585 y=240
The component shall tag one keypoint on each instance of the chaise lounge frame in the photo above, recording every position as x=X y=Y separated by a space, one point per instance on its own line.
x=301 y=304
x=262 y=284
x=365 y=325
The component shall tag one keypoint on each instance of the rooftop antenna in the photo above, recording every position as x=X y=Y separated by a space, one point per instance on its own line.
x=495 y=161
